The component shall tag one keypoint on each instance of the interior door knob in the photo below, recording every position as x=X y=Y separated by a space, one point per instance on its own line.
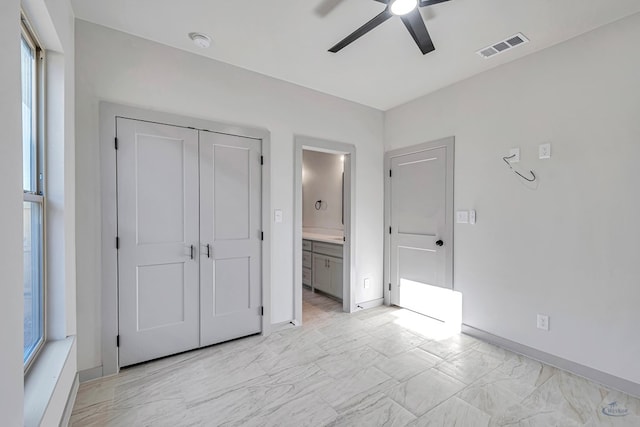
x=439 y=243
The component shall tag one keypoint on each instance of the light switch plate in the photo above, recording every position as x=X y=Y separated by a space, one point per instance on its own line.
x=277 y=216
x=472 y=216
x=515 y=152
x=462 y=217
x=544 y=151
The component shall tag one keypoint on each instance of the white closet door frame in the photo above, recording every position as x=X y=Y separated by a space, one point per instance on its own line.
x=109 y=283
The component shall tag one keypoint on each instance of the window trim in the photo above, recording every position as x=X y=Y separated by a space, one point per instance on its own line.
x=38 y=195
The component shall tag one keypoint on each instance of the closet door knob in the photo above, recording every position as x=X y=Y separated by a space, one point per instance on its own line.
x=439 y=243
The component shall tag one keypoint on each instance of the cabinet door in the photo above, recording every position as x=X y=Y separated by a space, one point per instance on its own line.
x=321 y=273
x=335 y=267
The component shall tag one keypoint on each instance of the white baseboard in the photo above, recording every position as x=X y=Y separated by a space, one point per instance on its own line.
x=90 y=374
x=276 y=327
x=369 y=304
x=607 y=380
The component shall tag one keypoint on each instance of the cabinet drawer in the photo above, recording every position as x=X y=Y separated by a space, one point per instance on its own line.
x=306 y=259
x=306 y=276
x=306 y=245
x=327 y=249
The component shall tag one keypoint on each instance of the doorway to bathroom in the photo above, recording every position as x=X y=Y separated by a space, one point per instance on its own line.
x=323 y=235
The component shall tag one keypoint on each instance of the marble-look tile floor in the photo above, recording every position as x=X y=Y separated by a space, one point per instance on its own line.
x=379 y=367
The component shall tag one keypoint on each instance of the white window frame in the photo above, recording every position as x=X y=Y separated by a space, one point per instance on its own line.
x=37 y=195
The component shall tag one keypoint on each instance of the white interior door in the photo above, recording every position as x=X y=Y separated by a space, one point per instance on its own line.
x=421 y=232
x=157 y=181
x=230 y=236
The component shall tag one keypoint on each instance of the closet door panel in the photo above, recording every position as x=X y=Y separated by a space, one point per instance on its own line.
x=158 y=295
x=230 y=236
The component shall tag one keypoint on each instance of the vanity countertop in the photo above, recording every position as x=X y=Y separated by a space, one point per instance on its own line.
x=325 y=238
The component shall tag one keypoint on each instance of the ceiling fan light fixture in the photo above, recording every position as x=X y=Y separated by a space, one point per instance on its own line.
x=201 y=40
x=402 y=7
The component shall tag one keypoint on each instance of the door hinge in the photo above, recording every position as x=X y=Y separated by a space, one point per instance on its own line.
x=117 y=242
x=389 y=229
x=389 y=173
x=389 y=286
x=262 y=235
x=116 y=142
x=117 y=340
x=262 y=160
x=262 y=311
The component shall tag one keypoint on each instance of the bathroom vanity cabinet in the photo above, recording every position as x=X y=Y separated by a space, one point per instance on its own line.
x=322 y=266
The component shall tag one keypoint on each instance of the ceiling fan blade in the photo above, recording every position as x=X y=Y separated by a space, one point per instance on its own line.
x=325 y=7
x=424 y=3
x=414 y=23
x=382 y=1
x=379 y=19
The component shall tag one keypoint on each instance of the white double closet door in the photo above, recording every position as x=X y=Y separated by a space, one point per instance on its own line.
x=189 y=228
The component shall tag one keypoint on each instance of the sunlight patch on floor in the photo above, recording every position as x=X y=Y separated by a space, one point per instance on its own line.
x=445 y=305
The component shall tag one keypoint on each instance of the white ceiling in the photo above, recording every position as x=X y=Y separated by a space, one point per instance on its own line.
x=288 y=40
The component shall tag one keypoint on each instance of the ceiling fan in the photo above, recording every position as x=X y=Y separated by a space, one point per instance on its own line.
x=410 y=15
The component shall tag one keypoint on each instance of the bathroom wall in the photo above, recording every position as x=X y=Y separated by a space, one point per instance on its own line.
x=322 y=180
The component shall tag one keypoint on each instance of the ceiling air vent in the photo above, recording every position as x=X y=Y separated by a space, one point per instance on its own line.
x=503 y=46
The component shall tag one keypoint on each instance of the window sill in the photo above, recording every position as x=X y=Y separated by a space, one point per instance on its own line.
x=43 y=377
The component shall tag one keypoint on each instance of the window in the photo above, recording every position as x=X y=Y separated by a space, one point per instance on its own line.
x=33 y=247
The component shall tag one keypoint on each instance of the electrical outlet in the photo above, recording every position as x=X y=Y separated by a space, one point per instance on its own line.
x=543 y=322
x=366 y=283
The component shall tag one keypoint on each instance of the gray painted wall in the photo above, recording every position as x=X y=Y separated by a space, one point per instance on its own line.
x=567 y=247
x=125 y=69
x=11 y=311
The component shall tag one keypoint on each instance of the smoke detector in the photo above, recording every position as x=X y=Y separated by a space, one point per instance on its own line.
x=503 y=46
x=201 y=40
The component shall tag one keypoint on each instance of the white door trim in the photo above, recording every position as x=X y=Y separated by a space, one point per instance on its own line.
x=109 y=278
x=349 y=275
x=449 y=143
